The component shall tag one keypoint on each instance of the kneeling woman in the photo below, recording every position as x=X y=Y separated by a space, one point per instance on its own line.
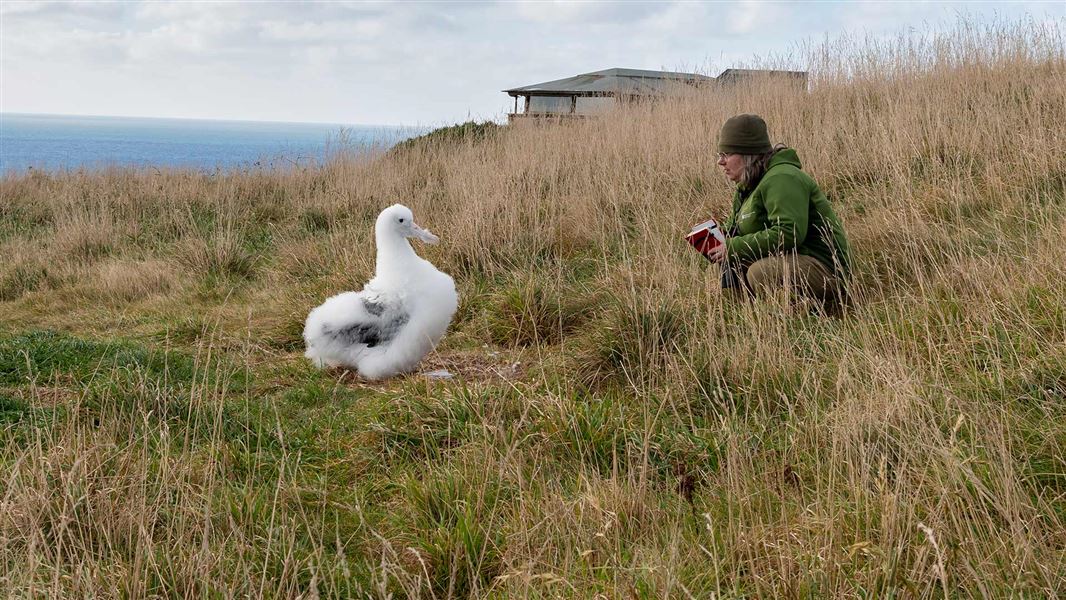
x=782 y=233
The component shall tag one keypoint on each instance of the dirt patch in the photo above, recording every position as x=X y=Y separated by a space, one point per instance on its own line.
x=475 y=365
x=483 y=365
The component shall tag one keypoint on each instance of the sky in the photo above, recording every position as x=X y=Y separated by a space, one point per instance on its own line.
x=398 y=63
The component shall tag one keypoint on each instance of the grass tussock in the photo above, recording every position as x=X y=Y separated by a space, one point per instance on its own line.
x=535 y=310
x=617 y=428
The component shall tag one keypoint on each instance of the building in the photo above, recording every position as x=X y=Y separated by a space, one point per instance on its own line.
x=594 y=93
x=734 y=76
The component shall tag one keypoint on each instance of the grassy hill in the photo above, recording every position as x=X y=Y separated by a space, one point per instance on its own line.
x=616 y=427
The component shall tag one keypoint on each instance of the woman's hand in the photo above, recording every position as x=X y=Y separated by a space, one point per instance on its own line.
x=718 y=254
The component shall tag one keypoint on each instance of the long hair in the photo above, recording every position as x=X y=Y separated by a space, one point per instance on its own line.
x=755 y=167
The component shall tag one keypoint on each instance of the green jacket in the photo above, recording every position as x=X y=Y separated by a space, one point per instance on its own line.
x=786 y=211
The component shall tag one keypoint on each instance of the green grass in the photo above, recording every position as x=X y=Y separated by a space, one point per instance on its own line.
x=468 y=132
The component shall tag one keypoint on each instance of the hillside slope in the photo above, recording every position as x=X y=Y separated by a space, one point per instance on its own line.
x=615 y=426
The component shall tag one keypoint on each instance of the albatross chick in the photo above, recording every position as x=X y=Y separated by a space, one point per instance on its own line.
x=398 y=317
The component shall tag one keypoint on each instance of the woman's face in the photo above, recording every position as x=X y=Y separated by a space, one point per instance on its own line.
x=732 y=165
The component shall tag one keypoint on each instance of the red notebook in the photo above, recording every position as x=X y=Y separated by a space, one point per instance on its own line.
x=706 y=237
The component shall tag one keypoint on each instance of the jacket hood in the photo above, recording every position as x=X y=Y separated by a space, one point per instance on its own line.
x=786 y=156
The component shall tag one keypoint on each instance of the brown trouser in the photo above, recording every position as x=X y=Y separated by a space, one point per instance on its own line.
x=802 y=275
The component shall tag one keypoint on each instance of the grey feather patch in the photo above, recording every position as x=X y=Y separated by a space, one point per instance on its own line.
x=368 y=334
x=375 y=308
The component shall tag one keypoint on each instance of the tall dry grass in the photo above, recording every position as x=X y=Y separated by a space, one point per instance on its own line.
x=657 y=441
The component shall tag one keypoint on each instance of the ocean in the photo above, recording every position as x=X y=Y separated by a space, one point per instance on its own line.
x=66 y=142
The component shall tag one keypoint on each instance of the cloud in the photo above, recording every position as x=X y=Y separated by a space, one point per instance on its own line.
x=61 y=12
x=585 y=14
x=310 y=32
x=749 y=16
x=382 y=62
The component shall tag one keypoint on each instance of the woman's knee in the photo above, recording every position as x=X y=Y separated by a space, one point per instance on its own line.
x=766 y=275
x=799 y=274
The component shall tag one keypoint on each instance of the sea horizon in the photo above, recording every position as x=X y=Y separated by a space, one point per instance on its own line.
x=62 y=142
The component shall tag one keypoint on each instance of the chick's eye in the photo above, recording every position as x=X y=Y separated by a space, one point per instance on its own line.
x=401 y=220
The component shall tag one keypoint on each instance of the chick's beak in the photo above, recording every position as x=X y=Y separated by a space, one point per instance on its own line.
x=424 y=234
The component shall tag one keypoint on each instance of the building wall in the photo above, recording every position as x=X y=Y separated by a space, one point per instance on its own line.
x=595 y=105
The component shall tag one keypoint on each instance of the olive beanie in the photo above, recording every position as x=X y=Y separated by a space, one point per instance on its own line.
x=744 y=134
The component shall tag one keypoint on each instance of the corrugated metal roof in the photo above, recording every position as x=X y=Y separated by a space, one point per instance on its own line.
x=612 y=82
